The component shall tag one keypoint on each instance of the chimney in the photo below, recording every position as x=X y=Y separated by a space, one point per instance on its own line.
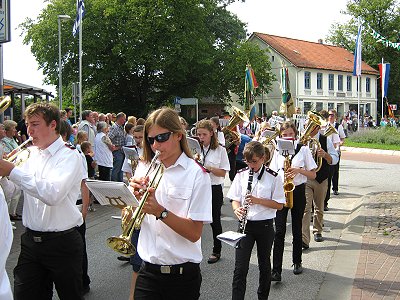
x=320 y=41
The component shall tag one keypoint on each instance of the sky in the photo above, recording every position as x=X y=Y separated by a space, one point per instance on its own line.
x=305 y=20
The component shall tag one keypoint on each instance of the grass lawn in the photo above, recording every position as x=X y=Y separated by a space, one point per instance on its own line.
x=349 y=143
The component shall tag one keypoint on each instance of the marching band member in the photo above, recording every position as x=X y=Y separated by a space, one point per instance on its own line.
x=217 y=129
x=302 y=168
x=265 y=198
x=316 y=189
x=170 y=235
x=215 y=160
x=51 y=247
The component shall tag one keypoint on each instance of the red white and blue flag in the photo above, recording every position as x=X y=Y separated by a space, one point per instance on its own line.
x=357 y=54
x=384 y=71
x=80 y=13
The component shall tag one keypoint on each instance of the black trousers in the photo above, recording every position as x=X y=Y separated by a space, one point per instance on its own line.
x=333 y=181
x=299 y=204
x=85 y=276
x=261 y=232
x=105 y=173
x=216 y=226
x=232 y=163
x=57 y=260
x=153 y=285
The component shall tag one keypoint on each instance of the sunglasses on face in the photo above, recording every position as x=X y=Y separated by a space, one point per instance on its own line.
x=160 y=138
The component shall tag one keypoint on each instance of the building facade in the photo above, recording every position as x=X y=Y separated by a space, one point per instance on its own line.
x=320 y=77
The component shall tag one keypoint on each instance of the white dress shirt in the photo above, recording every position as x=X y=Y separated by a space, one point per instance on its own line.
x=216 y=158
x=303 y=159
x=330 y=149
x=185 y=190
x=6 y=238
x=51 y=186
x=268 y=187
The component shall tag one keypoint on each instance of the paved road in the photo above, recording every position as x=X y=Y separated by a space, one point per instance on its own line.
x=329 y=266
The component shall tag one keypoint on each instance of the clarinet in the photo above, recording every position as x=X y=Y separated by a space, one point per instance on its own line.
x=246 y=204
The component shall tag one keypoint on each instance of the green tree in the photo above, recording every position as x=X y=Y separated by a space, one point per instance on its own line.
x=384 y=17
x=140 y=54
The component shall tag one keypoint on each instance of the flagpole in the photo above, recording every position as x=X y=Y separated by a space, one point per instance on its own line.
x=358 y=105
x=382 y=88
x=80 y=64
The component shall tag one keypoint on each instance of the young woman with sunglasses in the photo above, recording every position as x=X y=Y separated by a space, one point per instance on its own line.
x=215 y=159
x=170 y=235
x=266 y=196
x=302 y=167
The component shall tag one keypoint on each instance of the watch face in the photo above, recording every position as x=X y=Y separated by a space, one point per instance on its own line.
x=164 y=214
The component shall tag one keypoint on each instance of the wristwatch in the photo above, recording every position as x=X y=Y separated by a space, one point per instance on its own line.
x=163 y=215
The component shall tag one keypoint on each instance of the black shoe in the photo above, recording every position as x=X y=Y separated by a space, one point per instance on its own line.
x=305 y=246
x=318 y=237
x=336 y=193
x=326 y=208
x=15 y=217
x=214 y=258
x=298 y=269
x=275 y=276
x=86 y=289
x=123 y=258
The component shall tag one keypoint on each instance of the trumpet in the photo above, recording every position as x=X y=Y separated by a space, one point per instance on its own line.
x=20 y=154
x=5 y=102
x=132 y=219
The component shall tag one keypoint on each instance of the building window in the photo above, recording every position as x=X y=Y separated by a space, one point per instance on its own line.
x=368 y=85
x=331 y=82
x=349 y=79
x=307 y=106
x=319 y=106
x=319 y=81
x=340 y=82
x=272 y=58
x=331 y=105
x=307 y=84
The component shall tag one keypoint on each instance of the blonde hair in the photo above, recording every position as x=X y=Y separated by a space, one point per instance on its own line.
x=166 y=118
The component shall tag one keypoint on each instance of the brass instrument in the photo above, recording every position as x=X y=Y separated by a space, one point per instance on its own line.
x=231 y=136
x=288 y=185
x=269 y=146
x=329 y=130
x=20 y=154
x=314 y=120
x=132 y=219
x=5 y=102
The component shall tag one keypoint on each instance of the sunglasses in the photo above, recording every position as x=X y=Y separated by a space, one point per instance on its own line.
x=160 y=138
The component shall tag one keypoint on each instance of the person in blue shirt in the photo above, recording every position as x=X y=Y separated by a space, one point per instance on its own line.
x=240 y=164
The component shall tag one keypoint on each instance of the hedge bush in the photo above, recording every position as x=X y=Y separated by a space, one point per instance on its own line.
x=385 y=135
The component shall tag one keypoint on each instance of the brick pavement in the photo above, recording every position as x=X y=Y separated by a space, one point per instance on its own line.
x=378 y=271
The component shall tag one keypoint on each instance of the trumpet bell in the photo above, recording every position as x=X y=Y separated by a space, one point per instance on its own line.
x=5 y=102
x=329 y=130
x=121 y=245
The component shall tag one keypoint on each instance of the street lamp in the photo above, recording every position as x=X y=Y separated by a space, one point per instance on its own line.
x=60 y=18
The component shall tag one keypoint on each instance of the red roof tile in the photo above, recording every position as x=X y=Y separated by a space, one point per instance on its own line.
x=304 y=54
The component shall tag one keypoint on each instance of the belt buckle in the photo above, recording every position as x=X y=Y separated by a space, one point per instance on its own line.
x=37 y=239
x=165 y=269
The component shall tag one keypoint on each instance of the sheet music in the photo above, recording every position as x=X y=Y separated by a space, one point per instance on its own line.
x=286 y=147
x=267 y=133
x=231 y=237
x=112 y=193
x=130 y=152
x=194 y=145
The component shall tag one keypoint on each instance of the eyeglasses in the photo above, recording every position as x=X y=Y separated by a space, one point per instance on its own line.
x=331 y=115
x=160 y=138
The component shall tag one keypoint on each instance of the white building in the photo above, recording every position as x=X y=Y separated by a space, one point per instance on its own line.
x=320 y=76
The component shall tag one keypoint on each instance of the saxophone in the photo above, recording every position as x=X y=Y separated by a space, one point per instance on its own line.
x=246 y=204
x=288 y=185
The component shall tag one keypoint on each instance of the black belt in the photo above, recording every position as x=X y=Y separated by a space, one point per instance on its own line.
x=171 y=269
x=263 y=222
x=41 y=236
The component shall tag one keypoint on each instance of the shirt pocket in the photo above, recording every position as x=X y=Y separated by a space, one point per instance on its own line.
x=213 y=162
x=178 y=199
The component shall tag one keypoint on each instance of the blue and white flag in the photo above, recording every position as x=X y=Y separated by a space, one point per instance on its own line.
x=357 y=54
x=80 y=12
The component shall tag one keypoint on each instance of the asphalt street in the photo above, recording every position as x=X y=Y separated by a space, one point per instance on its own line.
x=328 y=266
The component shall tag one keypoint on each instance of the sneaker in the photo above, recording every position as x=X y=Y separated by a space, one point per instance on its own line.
x=297 y=269
x=336 y=193
x=275 y=276
x=123 y=258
